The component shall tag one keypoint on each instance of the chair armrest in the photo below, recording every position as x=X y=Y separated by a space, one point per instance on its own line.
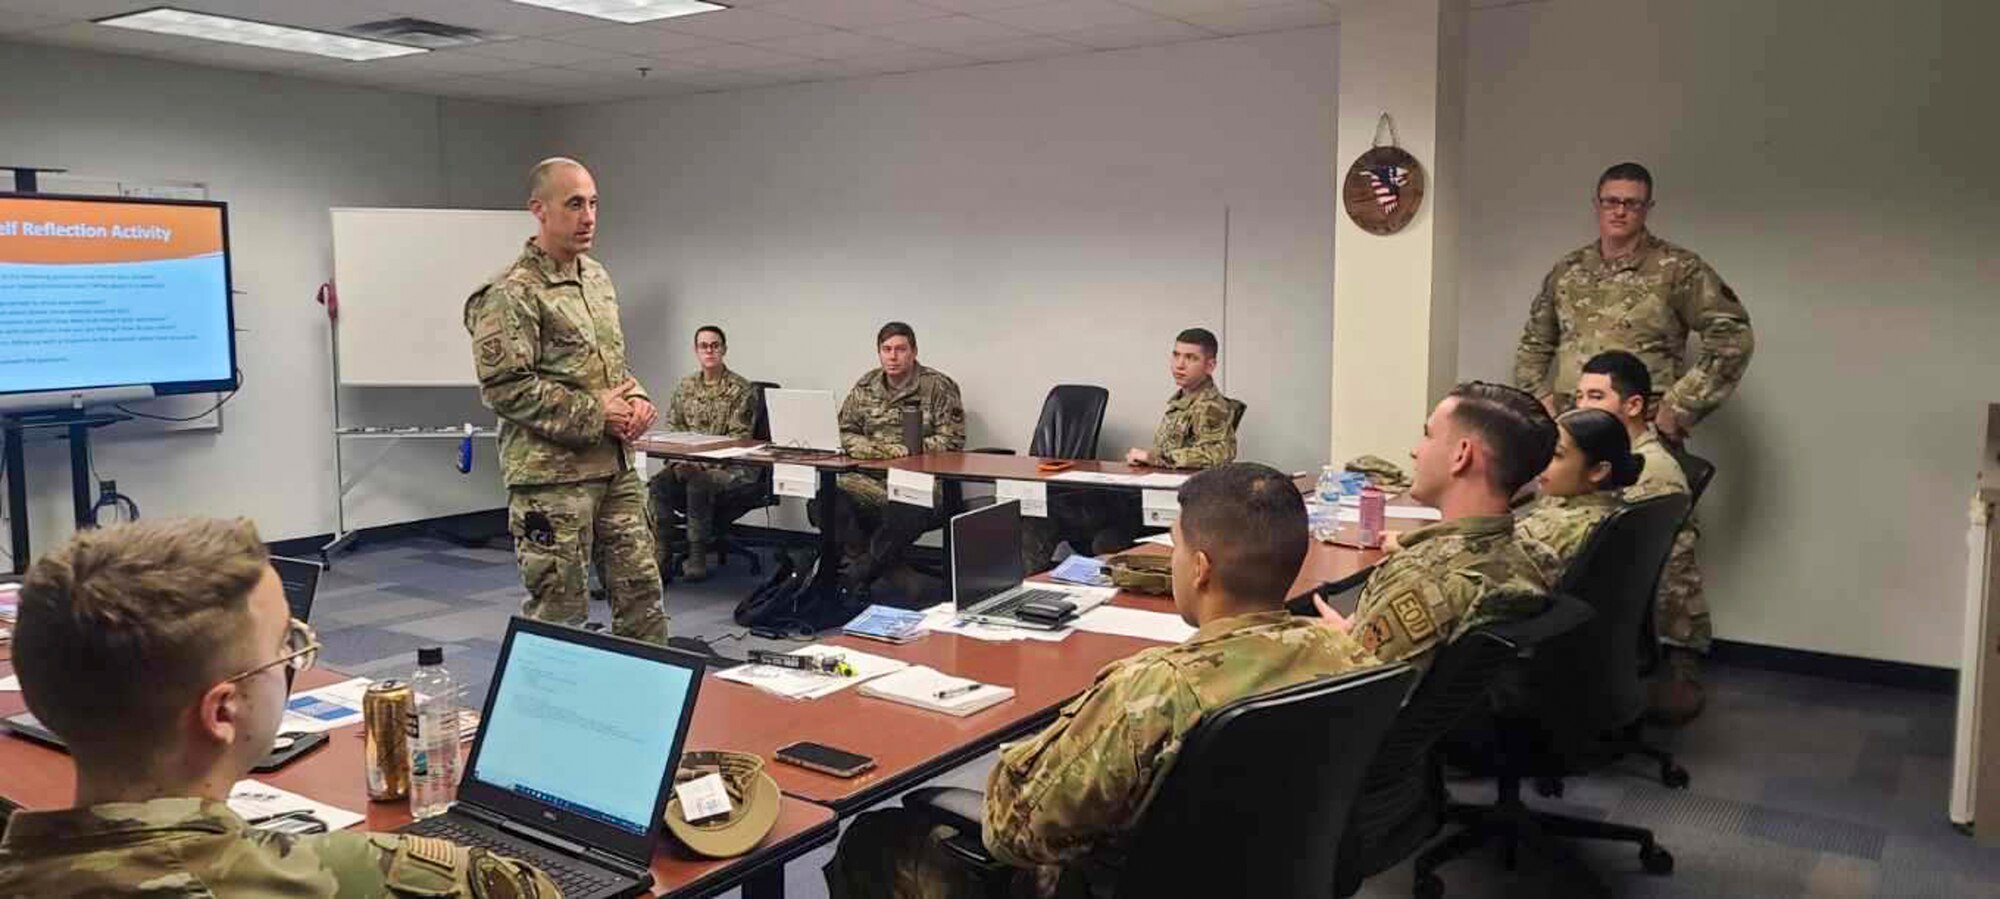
x=961 y=809
x=1302 y=604
x=993 y=451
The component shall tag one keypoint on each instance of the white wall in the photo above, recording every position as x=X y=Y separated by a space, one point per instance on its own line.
x=1039 y=222
x=279 y=151
x=1833 y=160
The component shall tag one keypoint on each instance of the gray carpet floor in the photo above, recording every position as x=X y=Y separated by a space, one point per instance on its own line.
x=1802 y=786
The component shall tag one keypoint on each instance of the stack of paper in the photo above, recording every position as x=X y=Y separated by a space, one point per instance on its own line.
x=792 y=683
x=1158 y=626
x=928 y=688
x=684 y=438
x=327 y=708
x=256 y=800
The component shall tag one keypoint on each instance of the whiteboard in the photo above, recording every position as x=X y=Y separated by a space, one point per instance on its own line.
x=402 y=276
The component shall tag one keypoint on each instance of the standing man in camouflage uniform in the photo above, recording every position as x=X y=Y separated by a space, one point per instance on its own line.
x=875 y=531
x=1616 y=382
x=1198 y=431
x=1631 y=291
x=551 y=362
x=1066 y=802
x=1481 y=445
x=158 y=651
x=714 y=401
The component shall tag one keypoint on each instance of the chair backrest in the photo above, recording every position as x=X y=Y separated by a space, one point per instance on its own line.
x=1236 y=410
x=760 y=427
x=1072 y=417
x=1699 y=472
x=1588 y=680
x=1256 y=802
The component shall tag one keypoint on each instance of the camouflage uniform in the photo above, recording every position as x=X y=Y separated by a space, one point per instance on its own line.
x=1646 y=304
x=1447 y=578
x=874 y=531
x=1681 y=612
x=199 y=848
x=725 y=408
x=1073 y=794
x=1197 y=432
x=1553 y=528
x=545 y=342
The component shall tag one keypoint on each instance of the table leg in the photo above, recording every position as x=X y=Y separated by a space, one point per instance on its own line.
x=827 y=576
x=766 y=884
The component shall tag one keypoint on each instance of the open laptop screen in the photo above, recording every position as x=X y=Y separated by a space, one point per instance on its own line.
x=585 y=729
x=985 y=554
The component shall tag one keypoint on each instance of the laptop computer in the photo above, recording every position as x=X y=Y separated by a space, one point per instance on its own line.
x=300 y=578
x=984 y=569
x=803 y=420
x=571 y=769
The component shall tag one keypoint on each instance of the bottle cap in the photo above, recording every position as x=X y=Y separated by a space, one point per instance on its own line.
x=430 y=655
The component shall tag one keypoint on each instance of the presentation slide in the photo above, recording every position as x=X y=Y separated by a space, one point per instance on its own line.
x=108 y=294
x=583 y=729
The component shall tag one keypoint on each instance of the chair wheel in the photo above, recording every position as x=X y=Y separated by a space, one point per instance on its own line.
x=1549 y=786
x=1674 y=775
x=1656 y=860
x=1428 y=886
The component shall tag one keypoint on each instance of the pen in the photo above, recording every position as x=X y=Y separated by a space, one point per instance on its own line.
x=957 y=691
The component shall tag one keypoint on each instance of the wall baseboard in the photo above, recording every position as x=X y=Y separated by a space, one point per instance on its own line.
x=1854 y=669
x=464 y=529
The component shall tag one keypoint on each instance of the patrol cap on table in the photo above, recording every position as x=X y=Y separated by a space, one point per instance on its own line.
x=753 y=804
x=1142 y=572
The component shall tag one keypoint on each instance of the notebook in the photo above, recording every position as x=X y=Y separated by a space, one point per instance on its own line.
x=919 y=686
x=887 y=624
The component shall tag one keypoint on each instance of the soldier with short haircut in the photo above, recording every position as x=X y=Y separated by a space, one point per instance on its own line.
x=1629 y=290
x=1065 y=803
x=718 y=401
x=1481 y=445
x=874 y=531
x=550 y=356
x=157 y=650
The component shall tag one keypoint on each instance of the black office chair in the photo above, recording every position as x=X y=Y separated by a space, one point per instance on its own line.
x=1402 y=796
x=1072 y=418
x=1237 y=408
x=730 y=506
x=1254 y=805
x=1699 y=472
x=1581 y=699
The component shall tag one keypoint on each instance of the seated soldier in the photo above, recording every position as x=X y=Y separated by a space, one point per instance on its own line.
x=714 y=401
x=1197 y=431
x=1481 y=444
x=157 y=650
x=1064 y=802
x=1617 y=382
x=1579 y=489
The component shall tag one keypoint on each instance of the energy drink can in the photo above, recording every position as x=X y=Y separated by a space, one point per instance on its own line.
x=385 y=713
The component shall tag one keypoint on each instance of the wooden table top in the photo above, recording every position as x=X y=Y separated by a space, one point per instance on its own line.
x=693 y=453
x=35 y=776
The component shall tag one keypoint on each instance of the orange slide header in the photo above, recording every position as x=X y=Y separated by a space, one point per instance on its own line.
x=77 y=232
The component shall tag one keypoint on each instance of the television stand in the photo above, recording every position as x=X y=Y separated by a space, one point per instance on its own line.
x=78 y=423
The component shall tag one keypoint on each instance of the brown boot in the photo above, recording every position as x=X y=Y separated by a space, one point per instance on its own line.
x=1676 y=695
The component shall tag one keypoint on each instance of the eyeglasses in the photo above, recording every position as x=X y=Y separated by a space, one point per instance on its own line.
x=707 y=347
x=1629 y=204
x=301 y=651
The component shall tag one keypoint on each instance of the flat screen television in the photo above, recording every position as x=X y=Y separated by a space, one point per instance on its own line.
x=112 y=299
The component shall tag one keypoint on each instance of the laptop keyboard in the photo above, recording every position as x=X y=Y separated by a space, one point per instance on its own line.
x=574 y=881
x=1012 y=603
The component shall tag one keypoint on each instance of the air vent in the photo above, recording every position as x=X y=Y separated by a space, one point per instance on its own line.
x=421 y=33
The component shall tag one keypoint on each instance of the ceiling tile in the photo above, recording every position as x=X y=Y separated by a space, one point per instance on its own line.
x=1267 y=18
x=1182 y=9
x=735 y=57
x=816 y=70
x=1067 y=15
x=833 y=45
x=76 y=10
x=742 y=25
x=538 y=51
x=979 y=6
x=1137 y=34
x=28 y=21
x=442 y=63
x=656 y=66
x=858 y=14
x=496 y=90
x=633 y=39
x=557 y=76
x=1022 y=48
x=910 y=60
x=948 y=32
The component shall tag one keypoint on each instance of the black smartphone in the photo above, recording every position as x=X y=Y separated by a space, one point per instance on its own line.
x=825 y=759
x=298 y=823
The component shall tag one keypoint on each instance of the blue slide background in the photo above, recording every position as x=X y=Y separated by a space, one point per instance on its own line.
x=188 y=297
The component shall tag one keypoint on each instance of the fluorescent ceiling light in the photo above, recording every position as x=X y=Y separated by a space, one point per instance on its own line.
x=166 y=20
x=628 y=11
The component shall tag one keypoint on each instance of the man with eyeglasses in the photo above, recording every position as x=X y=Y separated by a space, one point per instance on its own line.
x=157 y=650
x=1629 y=290
x=713 y=400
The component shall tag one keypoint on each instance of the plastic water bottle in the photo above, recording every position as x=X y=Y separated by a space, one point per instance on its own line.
x=433 y=733
x=1329 y=484
x=1322 y=519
